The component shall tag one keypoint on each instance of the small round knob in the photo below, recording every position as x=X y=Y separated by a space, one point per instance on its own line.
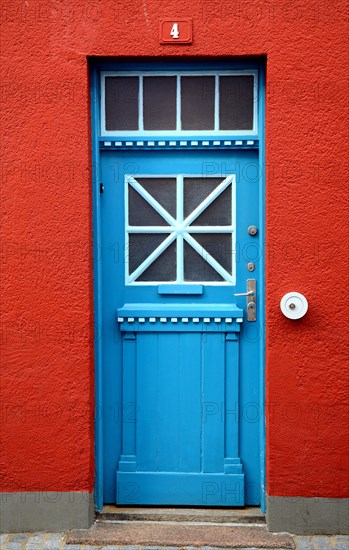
x=252 y=230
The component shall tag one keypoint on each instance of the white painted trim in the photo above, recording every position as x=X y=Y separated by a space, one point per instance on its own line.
x=153 y=256
x=180 y=229
x=168 y=175
x=140 y=104
x=127 y=239
x=205 y=203
x=209 y=259
x=180 y=260
x=180 y=216
x=188 y=283
x=178 y=104
x=103 y=130
x=222 y=72
x=216 y=132
x=149 y=229
x=180 y=198
x=150 y=199
x=216 y=104
x=173 y=133
x=213 y=229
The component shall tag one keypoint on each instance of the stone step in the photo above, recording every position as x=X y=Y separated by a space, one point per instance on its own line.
x=176 y=534
x=251 y=514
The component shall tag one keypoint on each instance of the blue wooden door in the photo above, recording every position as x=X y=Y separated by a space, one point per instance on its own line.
x=180 y=362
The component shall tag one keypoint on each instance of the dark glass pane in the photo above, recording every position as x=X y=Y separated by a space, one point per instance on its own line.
x=163 y=190
x=121 y=102
x=236 y=102
x=218 y=245
x=163 y=268
x=197 y=102
x=196 y=190
x=159 y=102
x=140 y=246
x=218 y=212
x=196 y=268
x=140 y=212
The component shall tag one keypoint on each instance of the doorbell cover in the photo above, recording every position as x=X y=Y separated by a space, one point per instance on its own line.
x=294 y=305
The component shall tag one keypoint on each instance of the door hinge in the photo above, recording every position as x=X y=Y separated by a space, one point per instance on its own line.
x=101 y=188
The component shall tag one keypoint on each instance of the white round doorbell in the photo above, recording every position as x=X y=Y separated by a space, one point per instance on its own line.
x=294 y=305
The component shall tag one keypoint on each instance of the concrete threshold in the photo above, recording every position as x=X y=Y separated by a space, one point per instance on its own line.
x=250 y=514
x=176 y=534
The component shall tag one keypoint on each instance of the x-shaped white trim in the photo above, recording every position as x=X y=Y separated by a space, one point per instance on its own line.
x=179 y=229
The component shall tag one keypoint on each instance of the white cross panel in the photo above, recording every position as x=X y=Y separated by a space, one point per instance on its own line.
x=179 y=229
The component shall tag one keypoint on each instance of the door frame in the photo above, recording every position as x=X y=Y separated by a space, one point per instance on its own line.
x=94 y=67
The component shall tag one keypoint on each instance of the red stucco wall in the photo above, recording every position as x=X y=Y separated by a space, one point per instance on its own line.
x=47 y=360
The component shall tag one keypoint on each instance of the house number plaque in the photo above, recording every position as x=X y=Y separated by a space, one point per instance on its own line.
x=176 y=31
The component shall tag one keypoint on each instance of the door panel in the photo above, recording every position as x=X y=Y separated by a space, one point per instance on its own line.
x=180 y=371
x=181 y=362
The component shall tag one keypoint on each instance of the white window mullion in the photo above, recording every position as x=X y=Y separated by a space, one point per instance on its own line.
x=127 y=240
x=150 y=199
x=180 y=199
x=179 y=230
x=149 y=229
x=211 y=197
x=208 y=258
x=180 y=216
x=180 y=259
x=216 y=103
x=103 y=113
x=140 y=104
x=178 y=105
x=233 y=204
x=210 y=229
x=178 y=130
x=153 y=256
x=127 y=255
x=233 y=234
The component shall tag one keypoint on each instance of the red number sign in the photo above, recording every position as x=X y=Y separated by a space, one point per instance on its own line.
x=176 y=31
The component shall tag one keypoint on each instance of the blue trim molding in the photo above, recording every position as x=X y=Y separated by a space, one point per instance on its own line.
x=177 y=144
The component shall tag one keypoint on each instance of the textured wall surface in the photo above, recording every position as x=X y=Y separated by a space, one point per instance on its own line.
x=47 y=323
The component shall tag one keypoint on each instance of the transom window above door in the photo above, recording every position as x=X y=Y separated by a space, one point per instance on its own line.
x=219 y=103
x=180 y=229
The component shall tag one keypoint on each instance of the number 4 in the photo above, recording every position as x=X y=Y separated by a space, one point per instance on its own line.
x=174 y=31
